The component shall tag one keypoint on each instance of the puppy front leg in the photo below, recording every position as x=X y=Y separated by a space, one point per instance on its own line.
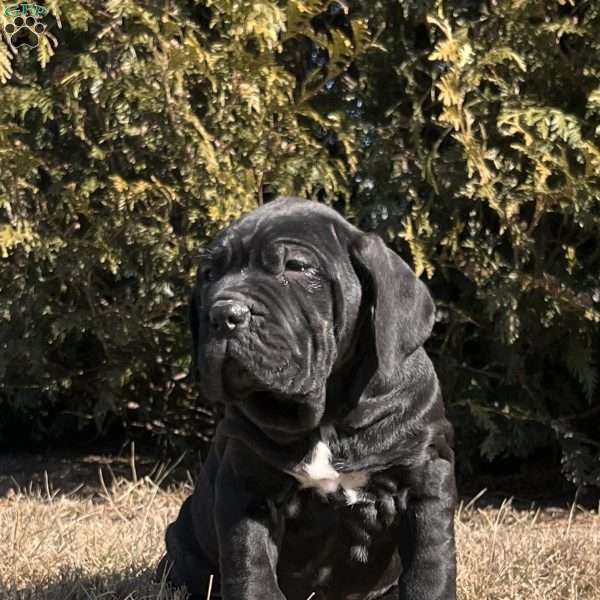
x=247 y=529
x=429 y=556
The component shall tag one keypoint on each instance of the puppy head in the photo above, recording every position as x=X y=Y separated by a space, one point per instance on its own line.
x=278 y=300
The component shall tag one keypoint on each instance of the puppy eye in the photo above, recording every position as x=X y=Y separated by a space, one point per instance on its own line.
x=295 y=264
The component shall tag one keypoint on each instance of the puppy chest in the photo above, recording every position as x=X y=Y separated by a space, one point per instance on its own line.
x=318 y=472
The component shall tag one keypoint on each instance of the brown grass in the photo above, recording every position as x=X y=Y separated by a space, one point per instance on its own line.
x=104 y=546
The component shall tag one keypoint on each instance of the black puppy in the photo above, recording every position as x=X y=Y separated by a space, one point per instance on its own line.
x=331 y=475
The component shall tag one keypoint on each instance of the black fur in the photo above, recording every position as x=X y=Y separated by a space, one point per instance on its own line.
x=331 y=350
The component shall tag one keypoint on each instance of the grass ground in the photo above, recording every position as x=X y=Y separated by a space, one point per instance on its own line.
x=104 y=544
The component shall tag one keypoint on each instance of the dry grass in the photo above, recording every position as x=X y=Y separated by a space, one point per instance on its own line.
x=59 y=546
x=528 y=555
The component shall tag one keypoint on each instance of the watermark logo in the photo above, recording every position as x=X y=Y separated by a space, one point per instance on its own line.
x=22 y=24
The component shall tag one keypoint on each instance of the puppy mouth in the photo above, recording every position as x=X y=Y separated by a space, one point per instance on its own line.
x=251 y=365
x=237 y=378
x=272 y=361
x=266 y=382
x=243 y=374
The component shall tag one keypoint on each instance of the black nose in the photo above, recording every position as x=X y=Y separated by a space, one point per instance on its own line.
x=227 y=315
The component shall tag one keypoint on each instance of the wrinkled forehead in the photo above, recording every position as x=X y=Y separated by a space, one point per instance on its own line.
x=300 y=222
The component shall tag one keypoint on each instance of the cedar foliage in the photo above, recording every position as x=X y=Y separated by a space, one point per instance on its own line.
x=466 y=133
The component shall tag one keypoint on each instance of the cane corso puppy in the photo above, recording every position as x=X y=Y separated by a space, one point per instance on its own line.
x=331 y=474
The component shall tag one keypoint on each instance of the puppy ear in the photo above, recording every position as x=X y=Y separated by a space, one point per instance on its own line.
x=403 y=311
x=195 y=328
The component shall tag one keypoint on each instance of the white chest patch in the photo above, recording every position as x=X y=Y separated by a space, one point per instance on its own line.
x=318 y=473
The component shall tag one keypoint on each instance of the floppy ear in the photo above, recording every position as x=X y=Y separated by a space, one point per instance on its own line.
x=403 y=310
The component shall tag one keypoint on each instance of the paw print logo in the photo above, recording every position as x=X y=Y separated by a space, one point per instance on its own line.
x=24 y=31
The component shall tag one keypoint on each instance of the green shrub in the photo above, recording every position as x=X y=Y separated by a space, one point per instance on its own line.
x=134 y=134
x=493 y=189
x=465 y=132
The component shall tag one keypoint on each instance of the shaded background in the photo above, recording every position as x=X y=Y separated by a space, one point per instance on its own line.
x=467 y=133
